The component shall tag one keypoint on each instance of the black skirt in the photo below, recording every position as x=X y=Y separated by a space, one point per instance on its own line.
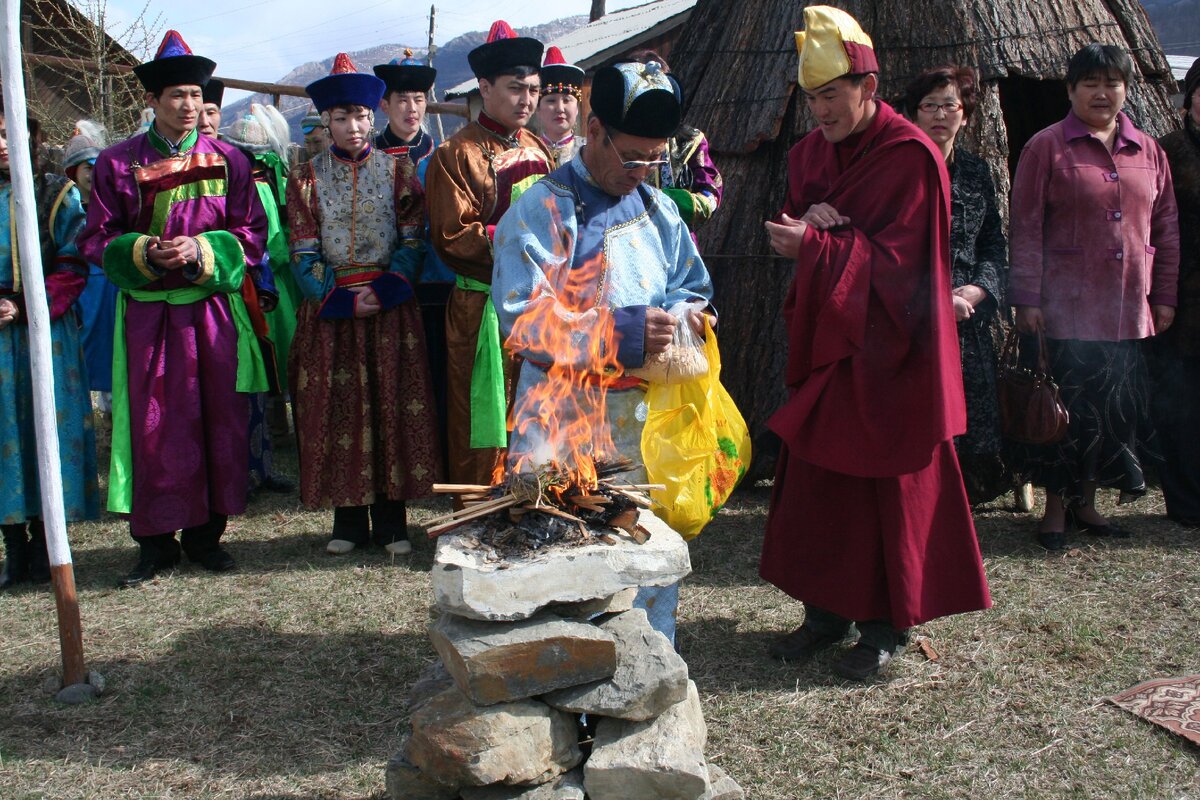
x=1111 y=438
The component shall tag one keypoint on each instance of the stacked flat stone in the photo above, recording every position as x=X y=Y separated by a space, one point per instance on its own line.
x=528 y=646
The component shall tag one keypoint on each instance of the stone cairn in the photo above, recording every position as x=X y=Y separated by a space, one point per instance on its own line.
x=531 y=646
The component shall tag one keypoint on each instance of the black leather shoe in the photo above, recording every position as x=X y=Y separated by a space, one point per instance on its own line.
x=39 y=559
x=16 y=556
x=217 y=560
x=154 y=555
x=1052 y=540
x=277 y=485
x=862 y=662
x=802 y=644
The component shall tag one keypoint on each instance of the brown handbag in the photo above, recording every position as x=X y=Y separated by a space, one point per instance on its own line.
x=1031 y=410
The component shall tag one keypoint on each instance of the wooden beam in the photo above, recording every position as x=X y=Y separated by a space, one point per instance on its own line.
x=275 y=90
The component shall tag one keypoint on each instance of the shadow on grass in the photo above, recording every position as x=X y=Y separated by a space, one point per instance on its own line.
x=236 y=700
x=1001 y=534
x=102 y=567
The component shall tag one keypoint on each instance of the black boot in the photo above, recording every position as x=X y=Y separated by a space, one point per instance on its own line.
x=351 y=528
x=16 y=556
x=389 y=526
x=154 y=553
x=39 y=558
x=202 y=544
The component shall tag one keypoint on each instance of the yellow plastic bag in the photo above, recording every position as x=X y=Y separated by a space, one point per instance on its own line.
x=696 y=443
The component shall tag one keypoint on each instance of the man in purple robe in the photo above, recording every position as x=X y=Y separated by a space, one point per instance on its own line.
x=174 y=220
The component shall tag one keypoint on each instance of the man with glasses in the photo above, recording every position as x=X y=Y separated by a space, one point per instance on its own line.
x=609 y=254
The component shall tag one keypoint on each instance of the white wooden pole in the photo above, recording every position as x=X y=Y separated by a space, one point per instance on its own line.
x=38 y=319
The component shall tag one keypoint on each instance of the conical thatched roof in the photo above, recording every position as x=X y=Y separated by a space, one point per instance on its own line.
x=737 y=62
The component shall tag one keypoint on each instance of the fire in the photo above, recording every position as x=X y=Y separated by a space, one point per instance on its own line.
x=559 y=428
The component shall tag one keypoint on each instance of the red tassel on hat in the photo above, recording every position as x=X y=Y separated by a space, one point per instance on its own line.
x=553 y=56
x=501 y=30
x=342 y=65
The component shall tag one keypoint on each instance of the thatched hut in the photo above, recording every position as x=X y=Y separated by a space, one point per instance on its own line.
x=738 y=62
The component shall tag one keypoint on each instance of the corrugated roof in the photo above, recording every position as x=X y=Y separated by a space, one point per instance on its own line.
x=612 y=34
x=1180 y=65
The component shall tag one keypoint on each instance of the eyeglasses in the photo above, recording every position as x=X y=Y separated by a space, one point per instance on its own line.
x=632 y=165
x=949 y=108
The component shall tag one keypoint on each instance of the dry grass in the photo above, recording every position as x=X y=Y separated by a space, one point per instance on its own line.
x=287 y=678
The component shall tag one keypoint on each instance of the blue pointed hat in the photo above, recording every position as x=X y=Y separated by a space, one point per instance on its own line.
x=345 y=86
x=406 y=74
x=174 y=65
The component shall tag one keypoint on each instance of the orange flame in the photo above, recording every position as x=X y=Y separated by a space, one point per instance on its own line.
x=560 y=427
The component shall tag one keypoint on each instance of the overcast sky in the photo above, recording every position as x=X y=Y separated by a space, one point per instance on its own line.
x=262 y=40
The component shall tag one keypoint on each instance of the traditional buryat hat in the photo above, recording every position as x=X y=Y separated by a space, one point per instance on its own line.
x=174 y=65
x=406 y=74
x=310 y=122
x=85 y=145
x=1190 y=81
x=638 y=99
x=559 y=77
x=345 y=86
x=248 y=134
x=214 y=91
x=831 y=45
x=504 y=51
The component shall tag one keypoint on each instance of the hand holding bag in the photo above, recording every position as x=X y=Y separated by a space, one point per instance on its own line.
x=1031 y=410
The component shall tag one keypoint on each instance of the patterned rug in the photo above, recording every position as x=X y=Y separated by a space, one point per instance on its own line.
x=1173 y=703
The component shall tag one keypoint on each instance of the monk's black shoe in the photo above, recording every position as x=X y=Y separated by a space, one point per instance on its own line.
x=863 y=662
x=16 y=556
x=39 y=557
x=802 y=644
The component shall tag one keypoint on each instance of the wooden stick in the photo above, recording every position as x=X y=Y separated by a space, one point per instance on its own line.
x=435 y=531
x=502 y=502
x=460 y=488
x=645 y=487
x=556 y=512
x=637 y=499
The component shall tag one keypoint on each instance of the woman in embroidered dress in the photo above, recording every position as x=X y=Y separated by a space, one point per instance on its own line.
x=60 y=218
x=940 y=101
x=558 y=106
x=360 y=381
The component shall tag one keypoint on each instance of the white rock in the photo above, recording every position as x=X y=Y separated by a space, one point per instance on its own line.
x=723 y=786
x=466 y=584
x=650 y=677
x=660 y=759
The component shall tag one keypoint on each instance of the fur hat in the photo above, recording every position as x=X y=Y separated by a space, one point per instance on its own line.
x=345 y=86
x=406 y=74
x=638 y=99
x=503 y=51
x=174 y=65
x=559 y=77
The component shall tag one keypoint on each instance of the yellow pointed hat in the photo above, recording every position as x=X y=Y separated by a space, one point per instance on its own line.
x=831 y=45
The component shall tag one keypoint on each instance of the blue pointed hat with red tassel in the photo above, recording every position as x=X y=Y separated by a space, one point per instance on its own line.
x=345 y=86
x=174 y=65
x=503 y=52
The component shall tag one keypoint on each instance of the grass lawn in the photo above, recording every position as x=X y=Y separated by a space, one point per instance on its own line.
x=287 y=679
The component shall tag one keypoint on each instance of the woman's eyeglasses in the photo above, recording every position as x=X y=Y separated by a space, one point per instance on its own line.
x=932 y=108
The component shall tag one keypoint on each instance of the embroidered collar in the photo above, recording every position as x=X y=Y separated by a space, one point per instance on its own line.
x=561 y=143
x=416 y=148
x=342 y=155
x=168 y=148
x=496 y=129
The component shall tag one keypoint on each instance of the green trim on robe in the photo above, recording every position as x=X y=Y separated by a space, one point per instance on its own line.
x=223 y=276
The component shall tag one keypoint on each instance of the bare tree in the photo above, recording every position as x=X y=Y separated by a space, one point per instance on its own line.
x=77 y=68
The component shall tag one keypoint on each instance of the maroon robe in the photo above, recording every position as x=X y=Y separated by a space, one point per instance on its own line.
x=869 y=517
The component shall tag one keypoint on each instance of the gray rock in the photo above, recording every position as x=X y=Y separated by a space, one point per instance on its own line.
x=497 y=662
x=77 y=694
x=650 y=677
x=568 y=786
x=723 y=787
x=457 y=742
x=404 y=781
x=467 y=584
x=432 y=681
x=614 y=604
x=660 y=759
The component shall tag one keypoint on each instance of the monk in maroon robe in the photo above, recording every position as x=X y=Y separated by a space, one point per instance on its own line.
x=869 y=522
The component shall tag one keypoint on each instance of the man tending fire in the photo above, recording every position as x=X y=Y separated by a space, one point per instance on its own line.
x=588 y=261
